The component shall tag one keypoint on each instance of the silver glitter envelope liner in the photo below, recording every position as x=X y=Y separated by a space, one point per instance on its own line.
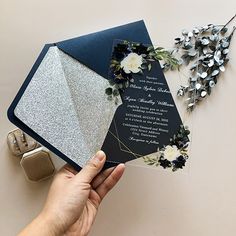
x=65 y=103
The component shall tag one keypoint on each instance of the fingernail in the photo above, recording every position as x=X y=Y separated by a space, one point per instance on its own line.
x=100 y=155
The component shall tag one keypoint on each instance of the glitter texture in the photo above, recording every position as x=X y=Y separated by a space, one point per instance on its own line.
x=65 y=104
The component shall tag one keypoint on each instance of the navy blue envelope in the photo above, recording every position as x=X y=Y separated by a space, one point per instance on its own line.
x=94 y=51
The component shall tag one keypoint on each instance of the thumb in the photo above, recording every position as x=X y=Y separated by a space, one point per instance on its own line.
x=92 y=168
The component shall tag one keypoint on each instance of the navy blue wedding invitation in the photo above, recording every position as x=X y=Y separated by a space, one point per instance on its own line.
x=146 y=120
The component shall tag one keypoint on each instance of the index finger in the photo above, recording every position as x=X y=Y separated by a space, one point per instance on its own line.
x=110 y=181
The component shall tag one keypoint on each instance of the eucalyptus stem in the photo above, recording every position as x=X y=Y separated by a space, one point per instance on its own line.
x=206 y=50
x=229 y=21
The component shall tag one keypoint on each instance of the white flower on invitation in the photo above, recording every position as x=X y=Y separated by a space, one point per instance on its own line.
x=132 y=63
x=171 y=152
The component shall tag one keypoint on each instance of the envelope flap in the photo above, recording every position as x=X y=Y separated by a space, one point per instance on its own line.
x=94 y=50
x=47 y=108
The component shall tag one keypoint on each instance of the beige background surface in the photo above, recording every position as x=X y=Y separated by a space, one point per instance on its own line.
x=201 y=202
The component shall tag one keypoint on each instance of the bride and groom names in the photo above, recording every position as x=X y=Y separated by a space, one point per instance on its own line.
x=151 y=85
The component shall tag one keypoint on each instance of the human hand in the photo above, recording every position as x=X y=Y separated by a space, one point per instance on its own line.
x=74 y=198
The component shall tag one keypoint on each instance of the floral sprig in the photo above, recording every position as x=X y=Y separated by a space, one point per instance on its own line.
x=206 y=50
x=175 y=154
x=130 y=58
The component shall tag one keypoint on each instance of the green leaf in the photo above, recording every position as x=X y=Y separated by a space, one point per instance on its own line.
x=150 y=48
x=159 y=48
